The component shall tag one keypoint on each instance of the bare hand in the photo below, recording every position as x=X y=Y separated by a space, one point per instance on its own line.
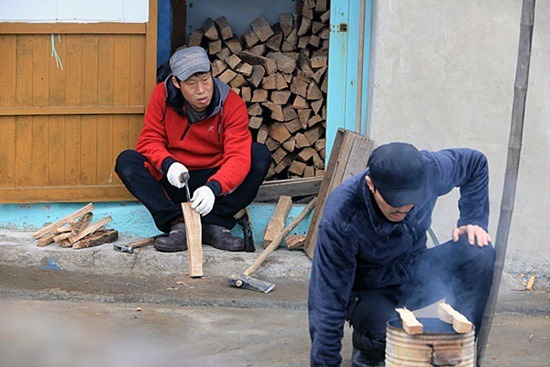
x=474 y=232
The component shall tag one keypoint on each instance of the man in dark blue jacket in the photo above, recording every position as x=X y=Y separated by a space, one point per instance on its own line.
x=371 y=253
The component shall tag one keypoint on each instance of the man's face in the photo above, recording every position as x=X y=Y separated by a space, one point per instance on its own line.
x=197 y=90
x=393 y=214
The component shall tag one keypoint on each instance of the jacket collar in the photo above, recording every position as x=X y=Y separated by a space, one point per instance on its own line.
x=174 y=97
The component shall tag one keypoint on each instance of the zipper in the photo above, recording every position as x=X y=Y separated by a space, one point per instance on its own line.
x=186 y=130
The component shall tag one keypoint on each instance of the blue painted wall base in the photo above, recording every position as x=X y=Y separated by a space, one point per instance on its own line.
x=129 y=218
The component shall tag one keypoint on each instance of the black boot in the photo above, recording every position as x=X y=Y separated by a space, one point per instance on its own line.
x=360 y=359
x=220 y=238
x=175 y=241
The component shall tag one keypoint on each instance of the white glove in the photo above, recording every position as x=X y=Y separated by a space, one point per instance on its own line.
x=174 y=172
x=203 y=200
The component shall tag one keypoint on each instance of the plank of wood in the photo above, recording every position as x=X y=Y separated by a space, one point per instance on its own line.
x=295 y=241
x=90 y=229
x=195 y=39
x=238 y=81
x=97 y=238
x=293 y=126
x=270 y=191
x=278 y=131
x=280 y=237
x=60 y=237
x=82 y=223
x=224 y=29
x=269 y=65
x=218 y=67
x=193 y=235
x=250 y=38
x=214 y=47
x=349 y=156
x=261 y=27
x=460 y=323
x=272 y=144
x=286 y=22
x=224 y=53
x=303 y=116
x=289 y=144
x=274 y=42
x=246 y=92
x=278 y=155
x=314 y=92
x=227 y=76
x=410 y=324
x=531 y=283
x=257 y=76
x=276 y=111
x=210 y=30
x=297 y=168
x=321 y=6
x=277 y=222
x=233 y=60
x=284 y=63
x=259 y=95
x=245 y=69
x=280 y=97
x=45 y=240
x=255 y=122
x=305 y=26
x=71 y=217
x=299 y=87
x=63 y=229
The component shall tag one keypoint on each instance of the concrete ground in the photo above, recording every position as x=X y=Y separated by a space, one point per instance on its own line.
x=90 y=307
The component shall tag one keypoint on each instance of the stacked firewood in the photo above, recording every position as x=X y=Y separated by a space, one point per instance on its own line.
x=280 y=71
x=76 y=230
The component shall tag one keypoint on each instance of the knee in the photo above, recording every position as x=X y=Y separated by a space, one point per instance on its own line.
x=484 y=256
x=261 y=158
x=126 y=160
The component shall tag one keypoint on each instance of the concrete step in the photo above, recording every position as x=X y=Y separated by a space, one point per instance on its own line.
x=19 y=248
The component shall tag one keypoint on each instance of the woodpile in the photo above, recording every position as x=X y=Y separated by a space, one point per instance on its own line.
x=76 y=230
x=280 y=71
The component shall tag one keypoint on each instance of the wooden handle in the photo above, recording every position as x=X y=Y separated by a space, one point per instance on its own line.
x=277 y=240
x=140 y=243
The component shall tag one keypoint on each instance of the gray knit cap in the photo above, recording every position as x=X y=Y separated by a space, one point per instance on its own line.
x=190 y=60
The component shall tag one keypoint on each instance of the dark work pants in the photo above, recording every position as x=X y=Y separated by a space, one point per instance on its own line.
x=163 y=200
x=458 y=272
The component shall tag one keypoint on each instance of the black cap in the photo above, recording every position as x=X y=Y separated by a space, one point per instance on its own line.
x=397 y=171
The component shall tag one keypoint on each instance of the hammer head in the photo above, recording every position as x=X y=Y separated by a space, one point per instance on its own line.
x=248 y=282
x=123 y=248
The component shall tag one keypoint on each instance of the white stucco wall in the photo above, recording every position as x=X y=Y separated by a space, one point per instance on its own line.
x=442 y=75
x=81 y=11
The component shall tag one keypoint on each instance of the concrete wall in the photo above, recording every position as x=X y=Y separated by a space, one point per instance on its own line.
x=442 y=75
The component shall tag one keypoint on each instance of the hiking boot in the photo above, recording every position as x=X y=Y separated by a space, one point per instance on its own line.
x=220 y=238
x=360 y=359
x=174 y=242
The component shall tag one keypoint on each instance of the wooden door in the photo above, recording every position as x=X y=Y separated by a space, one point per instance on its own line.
x=64 y=120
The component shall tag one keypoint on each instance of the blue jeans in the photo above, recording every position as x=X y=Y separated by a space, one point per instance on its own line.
x=459 y=272
x=163 y=200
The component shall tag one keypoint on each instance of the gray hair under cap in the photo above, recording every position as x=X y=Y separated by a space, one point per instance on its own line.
x=190 y=60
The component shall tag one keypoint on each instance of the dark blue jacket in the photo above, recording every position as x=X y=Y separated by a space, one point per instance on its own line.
x=358 y=249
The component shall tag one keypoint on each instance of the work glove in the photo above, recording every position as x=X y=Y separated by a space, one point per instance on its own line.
x=174 y=172
x=203 y=200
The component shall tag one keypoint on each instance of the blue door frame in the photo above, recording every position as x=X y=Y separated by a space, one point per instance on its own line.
x=348 y=71
x=347 y=97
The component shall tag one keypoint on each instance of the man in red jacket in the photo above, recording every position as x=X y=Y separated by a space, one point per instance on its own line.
x=195 y=124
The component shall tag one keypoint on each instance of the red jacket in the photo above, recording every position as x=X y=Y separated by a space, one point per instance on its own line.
x=220 y=140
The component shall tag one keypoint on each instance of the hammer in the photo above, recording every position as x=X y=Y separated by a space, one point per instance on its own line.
x=244 y=280
x=130 y=247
